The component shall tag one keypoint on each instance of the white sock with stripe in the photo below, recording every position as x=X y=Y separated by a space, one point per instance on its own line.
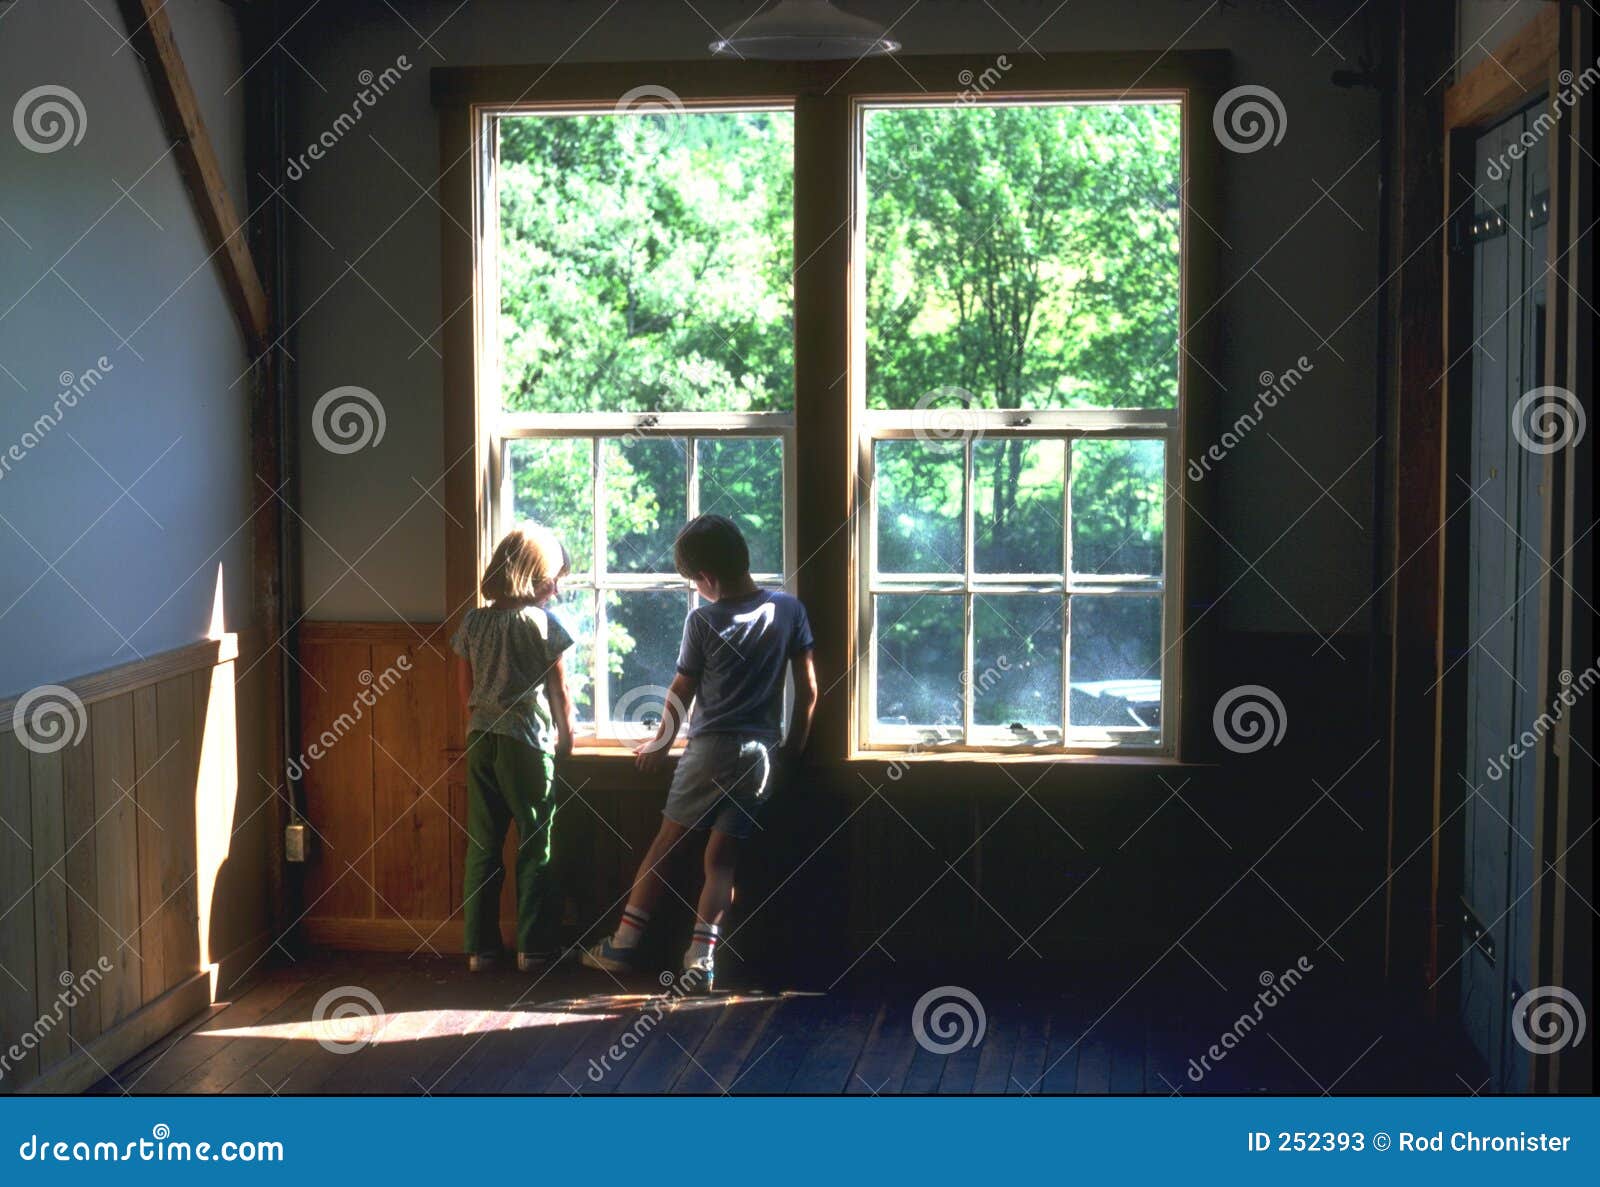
x=704 y=944
x=630 y=928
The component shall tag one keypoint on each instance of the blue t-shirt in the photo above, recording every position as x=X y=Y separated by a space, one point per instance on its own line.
x=739 y=649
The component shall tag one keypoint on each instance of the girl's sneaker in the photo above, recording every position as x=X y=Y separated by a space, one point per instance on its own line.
x=483 y=962
x=609 y=958
x=532 y=962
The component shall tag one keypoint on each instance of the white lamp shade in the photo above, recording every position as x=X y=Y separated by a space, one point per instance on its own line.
x=803 y=30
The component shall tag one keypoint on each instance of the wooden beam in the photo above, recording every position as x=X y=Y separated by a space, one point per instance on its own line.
x=1415 y=355
x=151 y=35
x=1517 y=69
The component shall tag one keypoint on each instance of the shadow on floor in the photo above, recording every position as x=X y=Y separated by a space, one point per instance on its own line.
x=339 y=1023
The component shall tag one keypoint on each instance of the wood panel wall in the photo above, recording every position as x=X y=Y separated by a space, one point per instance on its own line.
x=855 y=866
x=112 y=851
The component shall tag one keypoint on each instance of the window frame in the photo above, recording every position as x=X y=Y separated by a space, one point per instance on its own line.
x=829 y=412
x=502 y=428
x=1052 y=424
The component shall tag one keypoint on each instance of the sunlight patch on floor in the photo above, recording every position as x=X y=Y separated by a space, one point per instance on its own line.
x=407 y=1026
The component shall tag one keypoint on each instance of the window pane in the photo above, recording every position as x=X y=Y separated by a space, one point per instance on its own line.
x=1118 y=506
x=645 y=260
x=1116 y=661
x=575 y=609
x=742 y=478
x=552 y=482
x=919 y=507
x=919 y=660
x=1040 y=270
x=643 y=631
x=1017 y=506
x=1016 y=661
x=647 y=501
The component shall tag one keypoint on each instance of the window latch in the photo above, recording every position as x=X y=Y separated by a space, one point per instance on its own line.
x=648 y=422
x=1021 y=422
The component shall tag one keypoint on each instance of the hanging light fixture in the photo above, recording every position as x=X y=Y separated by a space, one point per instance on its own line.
x=805 y=29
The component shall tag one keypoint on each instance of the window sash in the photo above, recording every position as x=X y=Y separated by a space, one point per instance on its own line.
x=599 y=580
x=1064 y=737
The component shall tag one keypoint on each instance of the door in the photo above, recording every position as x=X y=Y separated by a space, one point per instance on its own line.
x=1506 y=576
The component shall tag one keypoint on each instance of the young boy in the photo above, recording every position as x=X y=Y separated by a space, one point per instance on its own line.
x=736 y=648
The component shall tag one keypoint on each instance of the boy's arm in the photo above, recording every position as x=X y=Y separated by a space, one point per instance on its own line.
x=652 y=753
x=559 y=695
x=804 y=669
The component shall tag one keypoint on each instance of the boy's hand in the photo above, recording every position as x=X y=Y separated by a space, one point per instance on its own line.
x=564 y=748
x=650 y=756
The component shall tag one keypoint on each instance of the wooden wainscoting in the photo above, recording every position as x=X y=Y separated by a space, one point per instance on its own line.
x=856 y=865
x=111 y=852
x=387 y=802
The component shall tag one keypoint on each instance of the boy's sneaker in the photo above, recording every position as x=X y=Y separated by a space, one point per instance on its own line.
x=483 y=962
x=699 y=975
x=607 y=957
x=532 y=962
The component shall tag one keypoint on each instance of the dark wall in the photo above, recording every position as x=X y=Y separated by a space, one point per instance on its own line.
x=1245 y=856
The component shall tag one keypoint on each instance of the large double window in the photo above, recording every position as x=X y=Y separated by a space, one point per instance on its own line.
x=1013 y=445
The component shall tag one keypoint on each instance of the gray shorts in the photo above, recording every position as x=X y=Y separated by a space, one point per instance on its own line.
x=722 y=782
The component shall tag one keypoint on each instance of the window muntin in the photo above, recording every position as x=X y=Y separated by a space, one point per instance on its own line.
x=641 y=368
x=623 y=498
x=1021 y=418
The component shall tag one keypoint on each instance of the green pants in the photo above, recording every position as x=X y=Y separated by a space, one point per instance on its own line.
x=507 y=781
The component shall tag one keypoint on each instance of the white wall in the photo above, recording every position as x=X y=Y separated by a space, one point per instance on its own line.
x=1482 y=26
x=90 y=576
x=376 y=324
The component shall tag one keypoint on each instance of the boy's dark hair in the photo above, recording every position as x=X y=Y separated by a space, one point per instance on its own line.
x=711 y=544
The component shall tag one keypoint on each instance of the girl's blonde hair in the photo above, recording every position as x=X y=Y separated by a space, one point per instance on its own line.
x=529 y=556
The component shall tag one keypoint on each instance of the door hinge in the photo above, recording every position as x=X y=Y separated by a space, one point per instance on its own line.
x=1477 y=935
x=1472 y=227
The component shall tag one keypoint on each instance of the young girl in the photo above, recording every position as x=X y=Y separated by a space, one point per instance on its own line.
x=514 y=683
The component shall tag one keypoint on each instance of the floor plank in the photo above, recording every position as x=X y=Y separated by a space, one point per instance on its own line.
x=441 y=1030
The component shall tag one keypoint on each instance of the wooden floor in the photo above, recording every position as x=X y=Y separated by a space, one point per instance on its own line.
x=391 y=1025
